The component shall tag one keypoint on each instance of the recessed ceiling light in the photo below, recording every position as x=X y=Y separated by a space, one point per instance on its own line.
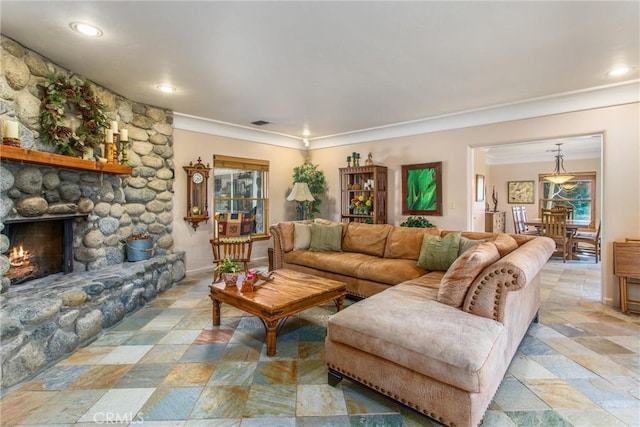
x=166 y=88
x=620 y=71
x=86 y=29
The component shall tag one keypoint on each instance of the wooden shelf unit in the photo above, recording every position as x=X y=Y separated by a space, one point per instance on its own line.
x=17 y=154
x=359 y=175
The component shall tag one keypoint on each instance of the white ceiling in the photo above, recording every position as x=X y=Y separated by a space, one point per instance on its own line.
x=334 y=67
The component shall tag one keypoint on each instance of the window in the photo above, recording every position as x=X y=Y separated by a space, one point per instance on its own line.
x=241 y=186
x=579 y=192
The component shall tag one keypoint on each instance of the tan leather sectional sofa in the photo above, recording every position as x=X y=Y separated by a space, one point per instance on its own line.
x=439 y=342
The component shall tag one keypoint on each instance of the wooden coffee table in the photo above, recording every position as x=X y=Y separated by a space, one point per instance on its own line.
x=288 y=293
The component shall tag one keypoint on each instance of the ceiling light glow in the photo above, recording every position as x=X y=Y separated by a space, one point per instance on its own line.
x=166 y=88
x=86 y=29
x=620 y=71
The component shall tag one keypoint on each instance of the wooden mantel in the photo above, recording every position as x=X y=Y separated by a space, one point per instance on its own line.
x=18 y=154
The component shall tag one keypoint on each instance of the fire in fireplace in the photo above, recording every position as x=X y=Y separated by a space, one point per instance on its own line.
x=39 y=248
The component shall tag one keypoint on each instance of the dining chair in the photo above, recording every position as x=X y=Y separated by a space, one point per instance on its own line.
x=237 y=249
x=554 y=226
x=519 y=219
x=568 y=209
x=592 y=241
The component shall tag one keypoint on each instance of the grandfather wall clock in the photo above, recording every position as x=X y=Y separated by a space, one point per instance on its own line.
x=197 y=193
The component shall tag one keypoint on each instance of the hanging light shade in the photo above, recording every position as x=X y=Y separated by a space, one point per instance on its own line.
x=559 y=175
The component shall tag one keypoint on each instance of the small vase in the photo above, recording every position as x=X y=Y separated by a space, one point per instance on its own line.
x=230 y=279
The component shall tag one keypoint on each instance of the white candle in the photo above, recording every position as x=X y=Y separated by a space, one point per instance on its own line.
x=124 y=135
x=108 y=135
x=114 y=126
x=10 y=129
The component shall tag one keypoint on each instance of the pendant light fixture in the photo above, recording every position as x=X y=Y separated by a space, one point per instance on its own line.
x=559 y=175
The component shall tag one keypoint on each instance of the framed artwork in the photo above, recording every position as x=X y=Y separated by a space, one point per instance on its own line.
x=422 y=189
x=520 y=192
x=479 y=188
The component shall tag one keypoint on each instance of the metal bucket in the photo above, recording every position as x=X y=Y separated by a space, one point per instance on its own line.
x=139 y=249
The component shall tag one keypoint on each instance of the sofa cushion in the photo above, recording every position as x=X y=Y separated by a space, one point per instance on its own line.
x=505 y=244
x=405 y=242
x=438 y=253
x=368 y=239
x=401 y=324
x=287 y=233
x=459 y=277
x=301 y=236
x=357 y=265
x=326 y=237
x=466 y=244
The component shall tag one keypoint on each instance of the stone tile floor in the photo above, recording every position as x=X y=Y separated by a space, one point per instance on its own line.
x=168 y=366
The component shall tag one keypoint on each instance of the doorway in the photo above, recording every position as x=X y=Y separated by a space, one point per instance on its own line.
x=523 y=162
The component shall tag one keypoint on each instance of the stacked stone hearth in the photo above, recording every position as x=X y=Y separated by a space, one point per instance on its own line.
x=45 y=319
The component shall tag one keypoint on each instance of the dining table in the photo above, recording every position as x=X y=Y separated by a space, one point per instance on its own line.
x=572 y=224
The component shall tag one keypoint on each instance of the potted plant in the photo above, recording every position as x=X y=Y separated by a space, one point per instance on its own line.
x=228 y=269
x=309 y=173
x=417 y=222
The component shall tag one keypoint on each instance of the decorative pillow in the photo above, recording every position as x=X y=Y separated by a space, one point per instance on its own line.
x=459 y=277
x=301 y=236
x=326 y=238
x=505 y=244
x=466 y=244
x=438 y=253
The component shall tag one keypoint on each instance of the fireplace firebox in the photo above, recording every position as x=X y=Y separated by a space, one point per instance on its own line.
x=39 y=247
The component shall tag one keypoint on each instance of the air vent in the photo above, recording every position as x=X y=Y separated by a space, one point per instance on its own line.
x=260 y=123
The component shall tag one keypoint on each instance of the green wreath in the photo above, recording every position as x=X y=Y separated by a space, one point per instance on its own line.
x=61 y=92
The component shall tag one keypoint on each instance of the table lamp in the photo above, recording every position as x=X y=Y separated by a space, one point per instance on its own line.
x=301 y=194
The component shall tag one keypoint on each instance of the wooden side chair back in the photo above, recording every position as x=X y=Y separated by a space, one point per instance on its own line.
x=591 y=240
x=554 y=226
x=236 y=248
x=519 y=219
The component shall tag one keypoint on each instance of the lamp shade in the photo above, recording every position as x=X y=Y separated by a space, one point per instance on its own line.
x=559 y=175
x=300 y=193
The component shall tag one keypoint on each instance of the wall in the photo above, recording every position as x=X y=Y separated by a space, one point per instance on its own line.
x=499 y=175
x=479 y=208
x=191 y=145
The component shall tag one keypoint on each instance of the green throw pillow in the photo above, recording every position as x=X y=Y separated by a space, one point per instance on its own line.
x=438 y=253
x=326 y=238
x=466 y=244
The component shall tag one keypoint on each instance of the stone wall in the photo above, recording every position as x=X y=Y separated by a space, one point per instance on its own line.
x=45 y=319
x=117 y=206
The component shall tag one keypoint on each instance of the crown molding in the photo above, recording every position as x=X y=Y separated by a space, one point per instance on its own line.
x=587 y=99
x=230 y=130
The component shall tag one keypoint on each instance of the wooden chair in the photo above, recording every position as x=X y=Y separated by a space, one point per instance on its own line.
x=569 y=209
x=236 y=248
x=554 y=226
x=589 y=238
x=519 y=218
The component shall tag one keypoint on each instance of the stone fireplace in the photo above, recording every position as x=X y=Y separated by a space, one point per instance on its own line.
x=85 y=212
